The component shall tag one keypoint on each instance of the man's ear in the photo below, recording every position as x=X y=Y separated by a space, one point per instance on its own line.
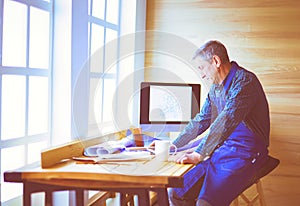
x=217 y=61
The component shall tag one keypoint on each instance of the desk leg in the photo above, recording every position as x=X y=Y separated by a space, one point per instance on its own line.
x=48 y=197
x=143 y=197
x=26 y=194
x=162 y=196
x=123 y=199
x=79 y=197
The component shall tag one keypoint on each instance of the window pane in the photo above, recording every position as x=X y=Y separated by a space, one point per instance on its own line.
x=11 y=190
x=96 y=87
x=13 y=106
x=97 y=37
x=128 y=17
x=14 y=34
x=34 y=151
x=111 y=35
x=39 y=38
x=98 y=8
x=97 y=41
x=38 y=105
x=111 y=51
x=112 y=11
x=109 y=91
x=95 y=107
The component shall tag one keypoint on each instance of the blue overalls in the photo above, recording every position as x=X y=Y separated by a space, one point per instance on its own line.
x=231 y=167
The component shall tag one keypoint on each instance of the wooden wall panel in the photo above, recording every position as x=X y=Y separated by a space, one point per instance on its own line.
x=262 y=36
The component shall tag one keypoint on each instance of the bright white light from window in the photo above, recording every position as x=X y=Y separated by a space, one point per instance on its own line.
x=97 y=39
x=128 y=17
x=96 y=87
x=39 y=38
x=14 y=34
x=38 y=105
x=11 y=190
x=34 y=151
x=110 y=86
x=111 y=51
x=98 y=8
x=111 y=35
x=13 y=106
x=95 y=107
x=112 y=11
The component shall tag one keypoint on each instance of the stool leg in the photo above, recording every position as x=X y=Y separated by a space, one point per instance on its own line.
x=261 y=193
x=143 y=198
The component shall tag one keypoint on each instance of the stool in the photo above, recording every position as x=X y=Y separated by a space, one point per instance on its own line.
x=269 y=166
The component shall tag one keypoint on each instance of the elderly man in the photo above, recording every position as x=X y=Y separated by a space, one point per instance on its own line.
x=236 y=117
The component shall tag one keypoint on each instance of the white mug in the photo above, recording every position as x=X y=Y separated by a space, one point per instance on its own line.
x=162 y=149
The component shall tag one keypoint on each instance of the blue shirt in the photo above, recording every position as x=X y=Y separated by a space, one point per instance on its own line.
x=245 y=101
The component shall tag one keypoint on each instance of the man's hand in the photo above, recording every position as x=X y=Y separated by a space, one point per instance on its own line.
x=192 y=158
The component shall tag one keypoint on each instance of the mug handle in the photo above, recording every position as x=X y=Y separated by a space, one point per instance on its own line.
x=175 y=149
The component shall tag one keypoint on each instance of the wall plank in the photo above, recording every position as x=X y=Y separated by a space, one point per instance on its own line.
x=262 y=36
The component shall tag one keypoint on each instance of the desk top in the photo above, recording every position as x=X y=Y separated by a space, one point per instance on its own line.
x=58 y=168
x=138 y=173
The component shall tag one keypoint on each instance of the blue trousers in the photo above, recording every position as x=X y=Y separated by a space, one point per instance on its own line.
x=222 y=177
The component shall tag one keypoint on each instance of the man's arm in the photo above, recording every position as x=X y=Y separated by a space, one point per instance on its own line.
x=196 y=126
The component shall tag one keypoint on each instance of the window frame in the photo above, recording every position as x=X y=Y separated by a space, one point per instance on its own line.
x=26 y=71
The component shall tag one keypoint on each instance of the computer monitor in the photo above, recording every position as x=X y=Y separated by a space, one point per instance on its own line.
x=168 y=107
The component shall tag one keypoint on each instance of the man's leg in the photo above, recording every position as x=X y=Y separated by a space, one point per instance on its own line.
x=175 y=200
x=229 y=174
x=189 y=198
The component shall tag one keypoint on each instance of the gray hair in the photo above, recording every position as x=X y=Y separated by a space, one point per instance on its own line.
x=211 y=48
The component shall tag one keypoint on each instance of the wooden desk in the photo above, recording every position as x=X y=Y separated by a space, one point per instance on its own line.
x=136 y=177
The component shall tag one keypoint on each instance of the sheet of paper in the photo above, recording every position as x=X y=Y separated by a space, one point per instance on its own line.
x=125 y=156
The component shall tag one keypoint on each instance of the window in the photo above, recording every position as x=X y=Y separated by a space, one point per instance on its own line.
x=106 y=28
x=43 y=45
x=25 y=82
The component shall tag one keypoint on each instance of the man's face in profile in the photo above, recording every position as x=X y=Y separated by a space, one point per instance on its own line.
x=208 y=71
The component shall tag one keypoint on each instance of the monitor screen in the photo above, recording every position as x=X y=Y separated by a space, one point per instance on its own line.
x=168 y=107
